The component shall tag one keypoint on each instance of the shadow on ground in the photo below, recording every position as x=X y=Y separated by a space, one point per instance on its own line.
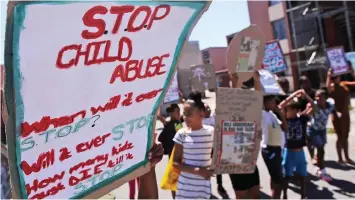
x=335 y=165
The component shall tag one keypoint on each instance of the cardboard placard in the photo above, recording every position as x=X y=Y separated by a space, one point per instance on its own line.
x=172 y=95
x=83 y=86
x=245 y=53
x=203 y=77
x=269 y=83
x=337 y=60
x=237 y=130
x=274 y=60
x=350 y=56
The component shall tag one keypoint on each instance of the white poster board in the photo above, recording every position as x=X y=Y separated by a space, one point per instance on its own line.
x=88 y=79
x=172 y=94
x=337 y=60
x=269 y=83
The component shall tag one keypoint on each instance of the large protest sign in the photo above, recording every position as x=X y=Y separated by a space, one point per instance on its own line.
x=274 y=60
x=269 y=83
x=237 y=130
x=203 y=77
x=350 y=56
x=172 y=94
x=337 y=60
x=245 y=53
x=83 y=84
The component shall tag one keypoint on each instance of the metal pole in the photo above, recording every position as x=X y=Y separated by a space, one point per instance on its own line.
x=348 y=27
x=320 y=26
x=297 y=71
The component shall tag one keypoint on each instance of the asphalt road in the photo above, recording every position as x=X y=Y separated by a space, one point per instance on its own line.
x=342 y=187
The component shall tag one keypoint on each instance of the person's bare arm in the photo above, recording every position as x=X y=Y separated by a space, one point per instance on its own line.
x=234 y=79
x=284 y=124
x=178 y=151
x=181 y=97
x=160 y=117
x=148 y=188
x=349 y=83
x=328 y=83
x=288 y=99
x=310 y=110
x=257 y=84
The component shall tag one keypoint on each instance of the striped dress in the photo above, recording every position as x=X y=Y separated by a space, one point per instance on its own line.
x=197 y=149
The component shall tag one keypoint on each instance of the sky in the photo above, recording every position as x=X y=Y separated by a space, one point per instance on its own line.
x=221 y=19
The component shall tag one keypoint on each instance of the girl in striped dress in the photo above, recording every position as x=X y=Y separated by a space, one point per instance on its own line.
x=193 y=148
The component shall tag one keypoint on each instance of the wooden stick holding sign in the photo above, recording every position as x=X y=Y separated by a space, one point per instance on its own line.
x=245 y=53
x=82 y=105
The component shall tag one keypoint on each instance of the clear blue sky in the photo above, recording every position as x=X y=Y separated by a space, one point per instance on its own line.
x=222 y=18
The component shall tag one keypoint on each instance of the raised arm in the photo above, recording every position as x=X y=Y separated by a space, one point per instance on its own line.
x=288 y=99
x=309 y=109
x=257 y=84
x=234 y=79
x=329 y=80
x=284 y=124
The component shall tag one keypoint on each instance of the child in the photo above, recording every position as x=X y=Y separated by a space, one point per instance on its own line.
x=339 y=91
x=294 y=156
x=318 y=130
x=193 y=148
x=210 y=120
x=272 y=143
x=307 y=86
x=170 y=128
x=246 y=185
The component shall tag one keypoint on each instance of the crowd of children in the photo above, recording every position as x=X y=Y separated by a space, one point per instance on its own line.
x=289 y=123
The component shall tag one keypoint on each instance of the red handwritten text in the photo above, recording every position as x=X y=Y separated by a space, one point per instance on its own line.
x=43 y=183
x=46 y=121
x=44 y=160
x=90 y=20
x=133 y=69
x=95 y=142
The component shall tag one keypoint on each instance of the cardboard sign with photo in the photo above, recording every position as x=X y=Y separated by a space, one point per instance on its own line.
x=203 y=77
x=245 y=53
x=237 y=130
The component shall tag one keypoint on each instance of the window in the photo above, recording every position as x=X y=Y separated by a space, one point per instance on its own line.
x=206 y=57
x=271 y=3
x=279 y=28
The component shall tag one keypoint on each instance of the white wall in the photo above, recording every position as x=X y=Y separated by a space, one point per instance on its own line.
x=190 y=55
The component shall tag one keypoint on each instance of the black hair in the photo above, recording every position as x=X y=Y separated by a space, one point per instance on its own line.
x=322 y=92
x=172 y=107
x=283 y=80
x=195 y=100
x=303 y=79
x=269 y=97
x=293 y=104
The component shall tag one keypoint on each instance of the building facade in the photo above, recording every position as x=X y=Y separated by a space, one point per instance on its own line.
x=305 y=29
x=217 y=57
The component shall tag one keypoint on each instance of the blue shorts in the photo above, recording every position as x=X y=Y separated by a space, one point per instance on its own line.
x=318 y=137
x=294 y=160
